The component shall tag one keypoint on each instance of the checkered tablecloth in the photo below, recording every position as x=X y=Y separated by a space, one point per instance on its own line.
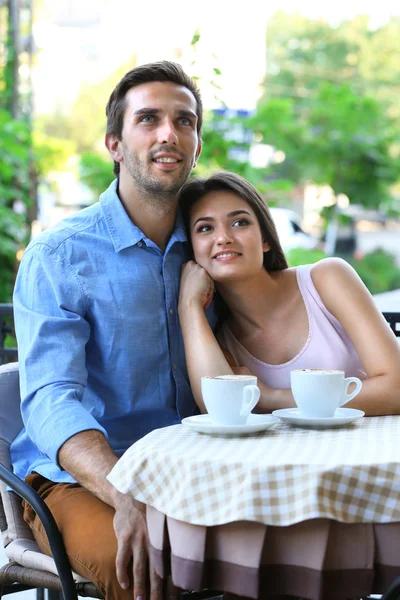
x=280 y=477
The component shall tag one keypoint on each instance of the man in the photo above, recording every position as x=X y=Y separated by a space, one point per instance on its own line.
x=101 y=354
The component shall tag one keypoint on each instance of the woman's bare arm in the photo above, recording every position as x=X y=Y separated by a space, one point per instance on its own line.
x=204 y=356
x=347 y=298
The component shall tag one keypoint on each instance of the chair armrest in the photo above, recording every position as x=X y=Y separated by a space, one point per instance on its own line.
x=393 y=318
x=50 y=526
x=393 y=592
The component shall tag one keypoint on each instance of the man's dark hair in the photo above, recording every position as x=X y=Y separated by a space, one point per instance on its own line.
x=158 y=71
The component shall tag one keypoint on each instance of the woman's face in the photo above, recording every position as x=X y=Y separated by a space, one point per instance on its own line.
x=226 y=237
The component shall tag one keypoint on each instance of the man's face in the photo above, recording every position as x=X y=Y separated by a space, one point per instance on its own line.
x=160 y=144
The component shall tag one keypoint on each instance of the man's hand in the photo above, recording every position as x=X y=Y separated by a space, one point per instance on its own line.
x=89 y=459
x=133 y=543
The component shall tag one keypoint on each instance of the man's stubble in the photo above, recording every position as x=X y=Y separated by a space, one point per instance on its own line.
x=160 y=195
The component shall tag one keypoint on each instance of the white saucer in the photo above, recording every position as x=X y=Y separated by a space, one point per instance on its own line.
x=204 y=424
x=342 y=416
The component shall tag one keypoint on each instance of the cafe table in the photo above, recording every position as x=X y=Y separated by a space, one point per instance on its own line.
x=291 y=511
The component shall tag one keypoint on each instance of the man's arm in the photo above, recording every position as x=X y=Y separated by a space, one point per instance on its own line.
x=50 y=316
x=52 y=330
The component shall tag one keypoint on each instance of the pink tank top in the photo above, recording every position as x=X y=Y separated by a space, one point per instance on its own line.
x=327 y=347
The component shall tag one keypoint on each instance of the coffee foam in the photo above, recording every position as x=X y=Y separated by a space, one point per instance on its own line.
x=318 y=371
x=231 y=377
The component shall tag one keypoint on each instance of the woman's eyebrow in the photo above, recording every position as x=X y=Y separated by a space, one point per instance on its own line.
x=234 y=213
x=202 y=219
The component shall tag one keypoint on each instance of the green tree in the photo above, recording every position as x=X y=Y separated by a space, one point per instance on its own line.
x=301 y=53
x=331 y=104
x=51 y=153
x=96 y=172
x=14 y=191
x=15 y=156
x=341 y=139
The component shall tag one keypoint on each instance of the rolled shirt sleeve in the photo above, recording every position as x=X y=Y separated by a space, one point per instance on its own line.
x=52 y=332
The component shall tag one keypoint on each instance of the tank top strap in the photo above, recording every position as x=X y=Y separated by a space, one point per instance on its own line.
x=311 y=296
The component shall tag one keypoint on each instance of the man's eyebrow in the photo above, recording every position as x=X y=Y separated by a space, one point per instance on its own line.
x=155 y=111
x=234 y=213
x=146 y=111
x=187 y=113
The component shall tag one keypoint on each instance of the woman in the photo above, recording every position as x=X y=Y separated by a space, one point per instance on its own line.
x=274 y=318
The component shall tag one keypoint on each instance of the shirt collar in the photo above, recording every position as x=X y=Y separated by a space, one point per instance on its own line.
x=179 y=234
x=122 y=231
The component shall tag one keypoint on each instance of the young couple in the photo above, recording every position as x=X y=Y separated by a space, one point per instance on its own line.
x=101 y=357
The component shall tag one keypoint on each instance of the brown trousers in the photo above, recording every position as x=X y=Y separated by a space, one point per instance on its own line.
x=86 y=525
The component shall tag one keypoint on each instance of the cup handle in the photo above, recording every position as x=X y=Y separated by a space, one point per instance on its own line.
x=348 y=381
x=251 y=395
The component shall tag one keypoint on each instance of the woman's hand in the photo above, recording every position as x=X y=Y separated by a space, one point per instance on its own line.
x=196 y=287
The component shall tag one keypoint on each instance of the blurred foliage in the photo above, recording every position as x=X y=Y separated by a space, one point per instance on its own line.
x=96 y=172
x=15 y=187
x=51 y=153
x=18 y=171
x=10 y=340
x=331 y=103
x=303 y=256
x=379 y=271
x=344 y=140
x=303 y=52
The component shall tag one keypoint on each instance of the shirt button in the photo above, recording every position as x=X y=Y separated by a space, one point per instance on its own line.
x=171 y=311
x=174 y=366
x=140 y=244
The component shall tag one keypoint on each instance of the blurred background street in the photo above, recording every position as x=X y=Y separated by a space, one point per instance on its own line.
x=388 y=239
x=312 y=120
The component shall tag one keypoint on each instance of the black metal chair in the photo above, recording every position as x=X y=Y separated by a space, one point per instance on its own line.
x=28 y=567
x=393 y=593
x=393 y=318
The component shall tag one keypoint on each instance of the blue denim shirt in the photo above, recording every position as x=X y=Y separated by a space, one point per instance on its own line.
x=99 y=341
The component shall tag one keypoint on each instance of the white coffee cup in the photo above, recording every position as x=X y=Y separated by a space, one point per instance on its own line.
x=229 y=399
x=319 y=392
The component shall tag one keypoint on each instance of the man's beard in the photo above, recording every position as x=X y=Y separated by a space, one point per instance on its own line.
x=150 y=185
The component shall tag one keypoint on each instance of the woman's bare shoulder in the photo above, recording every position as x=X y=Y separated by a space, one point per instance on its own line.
x=331 y=267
